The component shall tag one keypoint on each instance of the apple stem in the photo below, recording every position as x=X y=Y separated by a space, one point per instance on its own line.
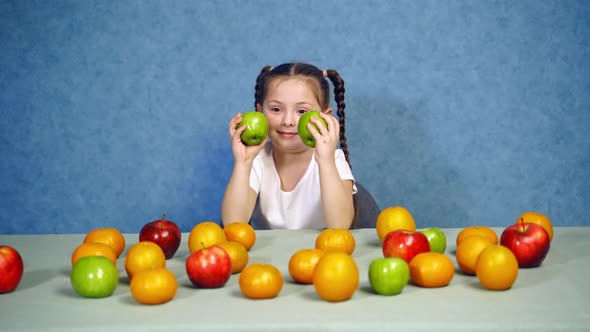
x=522 y=222
x=163 y=216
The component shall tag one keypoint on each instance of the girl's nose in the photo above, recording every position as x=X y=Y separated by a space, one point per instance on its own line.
x=289 y=119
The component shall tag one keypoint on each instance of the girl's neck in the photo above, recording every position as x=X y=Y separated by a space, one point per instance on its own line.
x=292 y=158
x=291 y=167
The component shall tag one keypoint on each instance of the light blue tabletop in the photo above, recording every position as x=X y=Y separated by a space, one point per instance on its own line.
x=553 y=297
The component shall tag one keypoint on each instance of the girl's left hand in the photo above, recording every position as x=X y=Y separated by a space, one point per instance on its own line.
x=326 y=138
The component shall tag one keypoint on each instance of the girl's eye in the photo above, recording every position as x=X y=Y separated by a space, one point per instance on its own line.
x=275 y=109
x=301 y=111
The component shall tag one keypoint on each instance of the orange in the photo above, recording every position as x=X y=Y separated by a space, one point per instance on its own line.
x=94 y=249
x=394 y=218
x=431 y=269
x=109 y=236
x=240 y=232
x=335 y=239
x=204 y=235
x=237 y=254
x=144 y=255
x=477 y=231
x=155 y=286
x=336 y=276
x=538 y=218
x=260 y=281
x=497 y=268
x=468 y=251
x=302 y=264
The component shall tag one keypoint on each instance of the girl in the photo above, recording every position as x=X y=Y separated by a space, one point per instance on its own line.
x=296 y=186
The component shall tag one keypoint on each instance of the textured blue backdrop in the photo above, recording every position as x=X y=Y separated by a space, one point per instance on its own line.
x=465 y=112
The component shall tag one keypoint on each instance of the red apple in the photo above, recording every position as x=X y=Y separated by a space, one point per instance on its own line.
x=11 y=269
x=405 y=244
x=528 y=241
x=164 y=233
x=209 y=267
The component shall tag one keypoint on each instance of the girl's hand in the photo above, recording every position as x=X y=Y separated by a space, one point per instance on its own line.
x=326 y=138
x=242 y=152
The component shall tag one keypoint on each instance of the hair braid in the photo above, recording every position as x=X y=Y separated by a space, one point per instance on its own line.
x=258 y=90
x=338 y=83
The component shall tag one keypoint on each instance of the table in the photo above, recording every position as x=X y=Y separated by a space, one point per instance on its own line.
x=553 y=297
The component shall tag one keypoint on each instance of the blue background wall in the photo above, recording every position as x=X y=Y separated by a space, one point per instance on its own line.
x=465 y=112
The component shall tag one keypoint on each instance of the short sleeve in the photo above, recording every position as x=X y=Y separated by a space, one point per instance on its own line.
x=343 y=168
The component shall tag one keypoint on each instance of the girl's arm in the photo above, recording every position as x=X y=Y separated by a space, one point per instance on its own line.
x=337 y=202
x=239 y=199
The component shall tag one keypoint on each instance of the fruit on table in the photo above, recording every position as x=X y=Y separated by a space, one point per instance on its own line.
x=11 y=269
x=404 y=244
x=304 y=132
x=94 y=276
x=302 y=264
x=431 y=269
x=529 y=242
x=496 y=268
x=388 y=275
x=336 y=276
x=436 y=238
x=144 y=255
x=240 y=232
x=394 y=218
x=155 y=286
x=205 y=234
x=468 y=251
x=109 y=236
x=165 y=233
x=260 y=281
x=209 y=267
x=237 y=253
x=336 y=239
x=469 y=231
x=93 y=249
x=537 y=218
x=256 y=127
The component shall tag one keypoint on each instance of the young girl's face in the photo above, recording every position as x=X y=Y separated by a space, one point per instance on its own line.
x=285 y=102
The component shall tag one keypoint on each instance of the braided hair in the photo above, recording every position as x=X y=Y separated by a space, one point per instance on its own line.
x=316 y=79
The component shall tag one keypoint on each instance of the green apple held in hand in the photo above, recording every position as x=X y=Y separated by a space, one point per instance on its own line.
x=304 y=133
x=256 y=127
x=436 y=238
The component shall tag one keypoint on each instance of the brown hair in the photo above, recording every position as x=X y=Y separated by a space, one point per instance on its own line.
x=316 y=79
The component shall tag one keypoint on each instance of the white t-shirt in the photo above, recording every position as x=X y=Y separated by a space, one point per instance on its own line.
x=299 y=208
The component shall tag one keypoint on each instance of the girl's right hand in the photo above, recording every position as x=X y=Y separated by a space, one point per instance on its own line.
x=242 y=152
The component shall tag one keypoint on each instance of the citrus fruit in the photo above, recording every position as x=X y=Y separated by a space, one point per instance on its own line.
x=538 y=218
x=394 y=218
x=94 y=249
x=204 y=235
x=240 y=232
x=336 y=276
x=302 y=263
x=497 y=268
x=142 y=256
x=260 y=281
x=237 y=254
x=335 y=239
x=469 y=231
x=109 y=236
x=154 y=286
x=431 y=269
x=468 y=251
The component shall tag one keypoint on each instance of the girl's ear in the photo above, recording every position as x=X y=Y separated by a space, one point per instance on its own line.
x=258 y=108
x=328 y=111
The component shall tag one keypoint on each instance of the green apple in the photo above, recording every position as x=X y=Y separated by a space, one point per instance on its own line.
x=389 y=275
x=304 y=133
x=94 y=276
x=436 y=238
x=256 y=127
